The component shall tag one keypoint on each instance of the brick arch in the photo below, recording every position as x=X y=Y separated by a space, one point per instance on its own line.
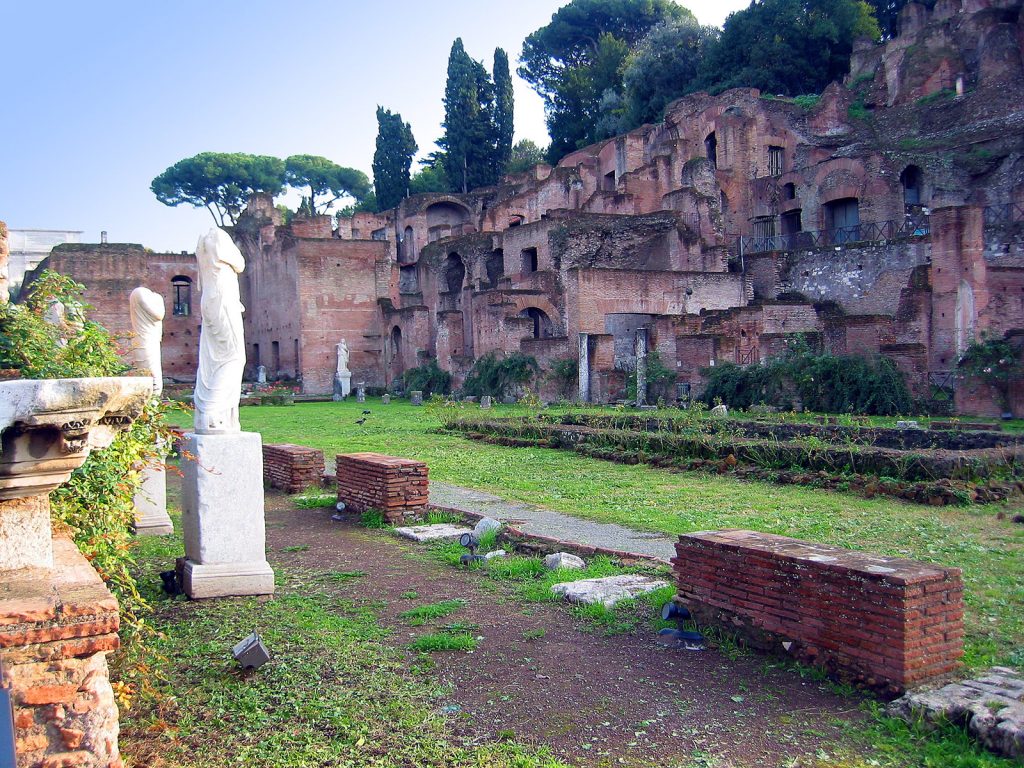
x=522 y=303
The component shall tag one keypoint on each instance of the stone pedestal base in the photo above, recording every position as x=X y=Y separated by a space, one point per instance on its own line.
x=59 y=625
x=222 y=516
x=151 y=518
x=25 y=538
x=342 y=385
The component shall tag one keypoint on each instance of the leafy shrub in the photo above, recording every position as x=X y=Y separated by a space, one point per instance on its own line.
x=428 y=379
x=994 y=361
x=823 y=382
x=97 y=505
x=564 y=372
x=499 y=376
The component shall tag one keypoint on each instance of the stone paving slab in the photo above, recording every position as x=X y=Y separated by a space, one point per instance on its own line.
x=424 y=533
x=536 y=521
x=992 y=707
x=608 y=590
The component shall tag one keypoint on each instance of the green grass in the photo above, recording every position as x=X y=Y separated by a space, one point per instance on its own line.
x=419 y=616
x=336 y=691
x=314 y=498
x=988 y=550
x=443 y=641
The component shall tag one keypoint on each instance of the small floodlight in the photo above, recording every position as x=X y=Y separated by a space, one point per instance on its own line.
x=251 y=653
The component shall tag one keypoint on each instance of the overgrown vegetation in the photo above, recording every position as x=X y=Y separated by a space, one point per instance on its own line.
x=50 y=336
x=500 y=376
x=427 y=378
x=822 y=382
x=995 y=362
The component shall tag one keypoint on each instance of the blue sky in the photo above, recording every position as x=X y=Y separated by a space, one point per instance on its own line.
x=100 y=97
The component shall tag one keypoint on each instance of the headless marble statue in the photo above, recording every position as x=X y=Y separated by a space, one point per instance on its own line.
x=221 y=343
x=147 y=313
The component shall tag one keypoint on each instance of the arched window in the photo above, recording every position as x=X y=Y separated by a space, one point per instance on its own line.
x=495 y=266
x=529 y=264
x=711 y=148
x=454 y=273
x=789 y=191
x=542 y=327
x=407 y=253
x=182 y=287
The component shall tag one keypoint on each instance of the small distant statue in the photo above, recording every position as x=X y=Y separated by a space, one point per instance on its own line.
x=221 y=342
x=146 y=308
x=343 y=358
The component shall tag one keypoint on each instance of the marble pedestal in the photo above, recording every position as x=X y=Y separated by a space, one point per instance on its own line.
x=151 y=518
x=342 y=385
x=222 y=517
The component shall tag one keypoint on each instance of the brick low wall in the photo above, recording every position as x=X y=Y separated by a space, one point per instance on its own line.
x=884 y=622
x=397 y=487
x=56 y=628
x=292 y=468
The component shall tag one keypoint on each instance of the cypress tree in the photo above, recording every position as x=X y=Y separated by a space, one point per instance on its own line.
x=504 y=109
x=392 y=159
x=469 y=143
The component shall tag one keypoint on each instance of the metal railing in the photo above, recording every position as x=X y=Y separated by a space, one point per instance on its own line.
x=1004 y=214
x=866 y=232
x=748 y=356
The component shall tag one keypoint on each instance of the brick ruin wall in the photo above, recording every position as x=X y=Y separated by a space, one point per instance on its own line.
x=56 y=629
x=398 y=488
x=292 y=468
x=885 y=622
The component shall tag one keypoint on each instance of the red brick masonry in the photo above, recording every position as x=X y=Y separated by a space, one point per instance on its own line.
x=397 y=487
x=886 y=622
x=292 y=468
x=56 y=628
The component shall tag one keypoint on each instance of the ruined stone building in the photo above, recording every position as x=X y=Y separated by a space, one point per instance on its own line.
x=884 y=217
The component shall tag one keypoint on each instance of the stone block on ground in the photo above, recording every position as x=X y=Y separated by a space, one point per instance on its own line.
x=426 y=533
x=416 y=397
x=990 y=706
x=564 y=560
x=485 y=402
x=398 y=488
x=222 y=517
x=608 y=590
x=497 y=554
x=151 y=518
x=720 y=411
x=292 y=468
x=486 y=525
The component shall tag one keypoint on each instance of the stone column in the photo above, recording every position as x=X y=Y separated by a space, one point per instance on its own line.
x=584 y=368
x=640 y=346
x=151 y=518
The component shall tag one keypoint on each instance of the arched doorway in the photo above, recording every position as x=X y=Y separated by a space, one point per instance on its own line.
x=397 y=354
x=542 y=325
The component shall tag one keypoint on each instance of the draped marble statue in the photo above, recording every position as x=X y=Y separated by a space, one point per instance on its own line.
x=342 y=376
x=146 y=309
x=221 y=343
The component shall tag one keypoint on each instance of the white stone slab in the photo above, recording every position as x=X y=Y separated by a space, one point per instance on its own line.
x=565 y=561
x=608 y=590
x=424 y=533
x=222 y=516
x=151 y=518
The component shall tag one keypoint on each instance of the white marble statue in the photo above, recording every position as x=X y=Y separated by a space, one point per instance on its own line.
x=146 y=308
x=343 y=358
x=221 y=342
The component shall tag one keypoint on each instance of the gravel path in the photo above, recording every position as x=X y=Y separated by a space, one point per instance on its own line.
x=544 y=522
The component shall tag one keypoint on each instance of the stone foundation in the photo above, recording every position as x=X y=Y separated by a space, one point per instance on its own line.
x=292 y=468
x=397 y=487
x=884 y=622
x=56 y=628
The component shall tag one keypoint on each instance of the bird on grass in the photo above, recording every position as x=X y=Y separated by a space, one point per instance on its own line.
x=360 y=422
x=366 y=413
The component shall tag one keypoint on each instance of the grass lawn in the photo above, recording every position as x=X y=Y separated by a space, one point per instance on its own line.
x=990 y=551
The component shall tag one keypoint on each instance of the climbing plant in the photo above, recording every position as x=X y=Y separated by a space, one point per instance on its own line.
x=500 y=376
x=994 y=361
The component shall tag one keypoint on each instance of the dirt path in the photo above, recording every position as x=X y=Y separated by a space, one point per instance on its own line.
x=540 y=676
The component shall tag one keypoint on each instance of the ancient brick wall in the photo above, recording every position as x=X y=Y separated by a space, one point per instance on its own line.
x=397 y=487
x=292 y=468
x=886 y=622
x=110 y=272
x=56 y=628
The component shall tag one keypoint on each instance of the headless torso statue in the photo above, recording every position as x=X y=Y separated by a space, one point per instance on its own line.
x=221 y=343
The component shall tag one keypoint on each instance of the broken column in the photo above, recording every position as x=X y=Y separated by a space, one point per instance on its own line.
x=59 y=619
x=222 y=499
x=640 y=345
x=584 y=367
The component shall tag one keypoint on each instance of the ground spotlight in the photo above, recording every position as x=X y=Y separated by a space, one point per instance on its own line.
x=251 y=653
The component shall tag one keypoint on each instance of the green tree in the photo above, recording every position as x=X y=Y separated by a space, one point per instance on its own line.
x=787 y=46
x=323 y=177
x=888 y=12
x=431 y=178
x=573 y=60
x=221 y=182
x=392 y=160
x=470 y=143
x=996 y=362
x=525 y=155
x=504 y=108
x=664 y=67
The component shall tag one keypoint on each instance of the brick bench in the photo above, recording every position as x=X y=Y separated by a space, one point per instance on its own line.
x=397 y=487
x=885 y=622
x=292 y=468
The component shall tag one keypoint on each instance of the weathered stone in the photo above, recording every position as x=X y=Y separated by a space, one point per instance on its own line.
x=485 y=402
x=907 y=425
x=565 y=561
x=385 y=399
x=151 y=518
x=222 y=516
x=990 y=706
x=425 y=533
x=486 y=525
x=360 y=393
x=608 y=590
x=416 y=397
x=720 y=411
x=497 y=554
